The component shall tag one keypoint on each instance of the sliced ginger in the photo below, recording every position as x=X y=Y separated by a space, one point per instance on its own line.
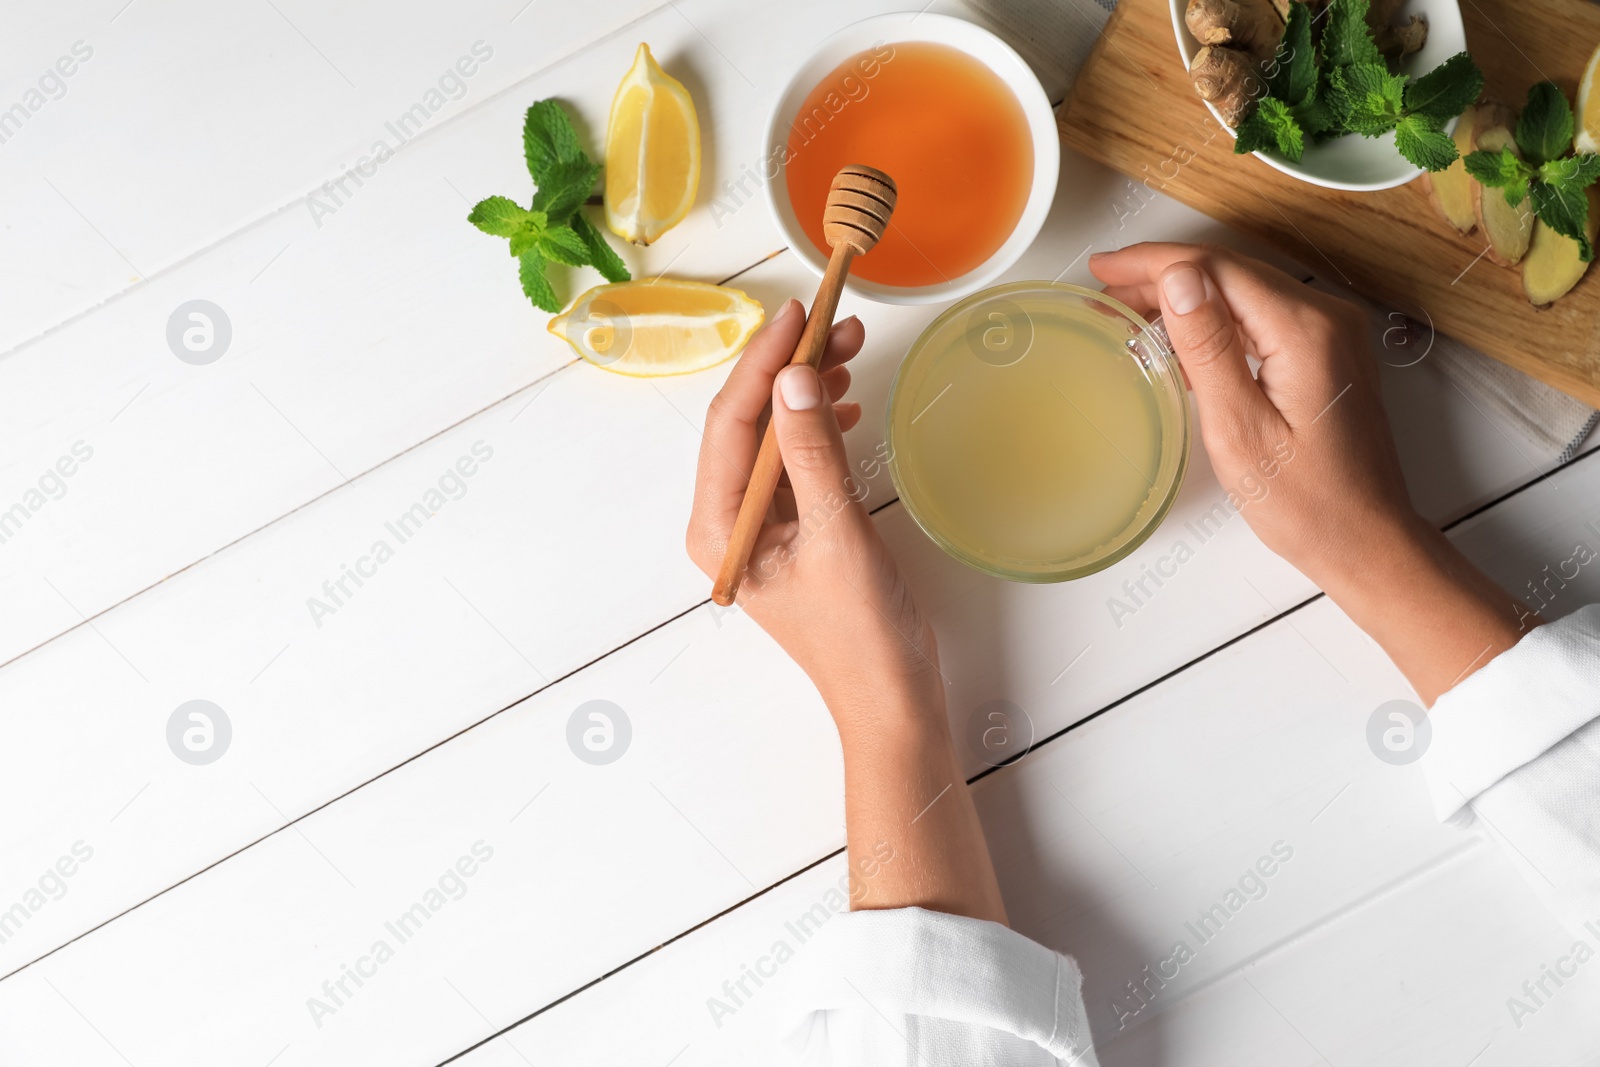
x=1509 y=229
x=1552 y=266
x=1452 y=187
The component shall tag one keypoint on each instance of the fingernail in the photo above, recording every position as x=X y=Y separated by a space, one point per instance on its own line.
x=801 y=388
x=836 y=327
x=784 y=312
x=1185 y=290
x=1096 y=255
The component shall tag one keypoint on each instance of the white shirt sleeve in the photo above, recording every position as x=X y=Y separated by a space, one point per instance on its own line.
x=925 y=989
x=1515 y=752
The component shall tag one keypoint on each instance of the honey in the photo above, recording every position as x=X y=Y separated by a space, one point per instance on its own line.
x=949 y=131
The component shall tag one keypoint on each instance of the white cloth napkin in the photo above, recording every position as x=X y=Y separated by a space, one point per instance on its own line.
x=1055 y=37
x=1547 y=417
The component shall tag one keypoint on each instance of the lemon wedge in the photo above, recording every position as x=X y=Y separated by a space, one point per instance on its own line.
x=651 y=329
x=652 y=152
x=1588 y=139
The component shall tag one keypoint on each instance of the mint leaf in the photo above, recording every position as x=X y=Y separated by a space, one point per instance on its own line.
x=1501 y=170
x=1320 y=112
x=566 y=185
x=1369 y=98
x=1446 y=90
x=523 y=240
x=527 y=235
x=548 y=138
x=561 y=244
x=535 y=284
x=497 y=216
x=1544 y=131
x=601 y=254
x=1254 y=134
x=1294 y=74
x=1347 y=39
x=1565 y=209
x=1336 y=92
x=1271 y=126
x=1421 y=141
x=1579 y=170
x=1315 y=114
x=1285 y=131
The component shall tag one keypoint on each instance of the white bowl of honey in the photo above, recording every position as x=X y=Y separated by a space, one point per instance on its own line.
x=954 y=116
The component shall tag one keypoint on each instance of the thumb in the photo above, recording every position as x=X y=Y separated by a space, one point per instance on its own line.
x=1208 y=343
x=809 y=439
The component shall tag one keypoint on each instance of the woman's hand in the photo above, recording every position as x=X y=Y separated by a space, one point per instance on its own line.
x=1304 y=450
x=823 y=584
x=820 y=580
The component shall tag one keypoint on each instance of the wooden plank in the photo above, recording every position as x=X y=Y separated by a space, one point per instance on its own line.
x=1133 y=108
x=205 y=119
x=1109 y=842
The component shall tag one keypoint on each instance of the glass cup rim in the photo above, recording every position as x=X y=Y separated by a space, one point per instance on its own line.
x=1153 y=348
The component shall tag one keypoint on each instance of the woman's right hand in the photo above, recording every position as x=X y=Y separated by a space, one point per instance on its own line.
x=820 y=581
x=1304 y=450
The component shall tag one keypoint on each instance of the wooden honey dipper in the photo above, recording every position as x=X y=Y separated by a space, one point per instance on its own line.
x=859 y=204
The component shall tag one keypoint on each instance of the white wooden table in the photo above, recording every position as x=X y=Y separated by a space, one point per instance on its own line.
x=403 y=760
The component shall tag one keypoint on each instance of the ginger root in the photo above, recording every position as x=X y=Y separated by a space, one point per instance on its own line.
x=1552 y=267
x=1395 y=40
x=1251 y=26
x=1227 y=79
x=1401 y=40
x=1451 y=188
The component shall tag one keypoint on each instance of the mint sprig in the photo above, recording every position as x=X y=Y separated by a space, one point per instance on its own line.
x=1501 y=169
x=553 y=228
x=1345 y=86
x=1370 y=101
x=1554 y=180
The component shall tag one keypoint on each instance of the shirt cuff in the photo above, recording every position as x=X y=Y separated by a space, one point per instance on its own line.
x=1514 y=709
x=993 y=984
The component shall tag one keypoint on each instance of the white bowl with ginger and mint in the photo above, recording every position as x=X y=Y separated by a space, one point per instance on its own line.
x=1233 y=50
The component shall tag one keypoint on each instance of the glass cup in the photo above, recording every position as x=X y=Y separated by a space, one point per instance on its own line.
x=1039 y=431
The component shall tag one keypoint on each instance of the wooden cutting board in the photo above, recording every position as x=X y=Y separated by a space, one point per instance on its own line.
x=1133 y=109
